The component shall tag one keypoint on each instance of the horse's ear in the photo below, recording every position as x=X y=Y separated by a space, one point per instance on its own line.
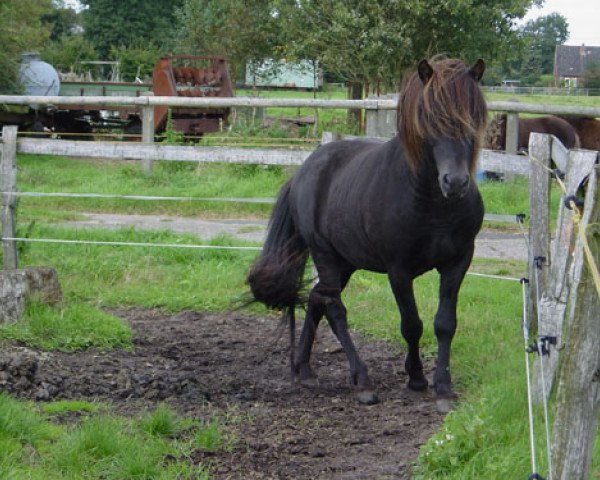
x=425 y=71
x=477 y=69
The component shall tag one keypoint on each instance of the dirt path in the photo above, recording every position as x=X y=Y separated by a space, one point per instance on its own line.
x=489 y=244
x=232 y=366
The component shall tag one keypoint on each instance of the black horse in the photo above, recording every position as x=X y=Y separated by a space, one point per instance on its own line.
x=402 y=207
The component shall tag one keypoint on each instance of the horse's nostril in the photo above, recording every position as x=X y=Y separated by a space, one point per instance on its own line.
x=446 y=179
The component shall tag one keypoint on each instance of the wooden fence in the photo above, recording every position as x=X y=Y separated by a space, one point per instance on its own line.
x=380 y=111
x=564 y=298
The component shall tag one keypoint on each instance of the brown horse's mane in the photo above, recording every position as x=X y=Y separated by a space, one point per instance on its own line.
x=449 y=105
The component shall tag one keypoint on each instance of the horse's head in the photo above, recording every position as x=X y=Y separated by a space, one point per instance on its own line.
x=453 y=162
x=441 y=120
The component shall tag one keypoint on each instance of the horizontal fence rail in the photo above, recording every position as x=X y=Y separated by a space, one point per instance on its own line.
x=157 y=151
x=488 y=160
x=200 y=102
x=186 y=102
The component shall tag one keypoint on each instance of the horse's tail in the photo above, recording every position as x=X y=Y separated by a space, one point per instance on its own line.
x=276 y=278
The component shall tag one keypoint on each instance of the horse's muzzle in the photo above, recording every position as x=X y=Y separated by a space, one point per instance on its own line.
x=454 y=186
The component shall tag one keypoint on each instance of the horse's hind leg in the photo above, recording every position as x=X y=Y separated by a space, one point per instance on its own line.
x=314 y=313
x=332 y=279
x=336 y=316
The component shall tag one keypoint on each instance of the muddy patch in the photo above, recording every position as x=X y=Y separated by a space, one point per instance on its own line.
x=233 y=366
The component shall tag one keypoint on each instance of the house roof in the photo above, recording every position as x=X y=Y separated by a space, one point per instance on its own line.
x=570 y=61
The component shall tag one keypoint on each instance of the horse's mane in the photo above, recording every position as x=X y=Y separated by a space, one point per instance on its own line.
x=449 y=105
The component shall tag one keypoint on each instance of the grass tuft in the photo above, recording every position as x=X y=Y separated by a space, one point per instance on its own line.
x=75 y=326
x=162 y=422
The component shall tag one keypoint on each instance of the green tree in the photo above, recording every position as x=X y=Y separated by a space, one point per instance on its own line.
x=21 y=29
x=541 y=37
x=377 y=41
x=67 y=53
x=239 y=30
x=118 y=23
x=591 y=75
x=62 y=20
x=67 y=47
x=137 y=61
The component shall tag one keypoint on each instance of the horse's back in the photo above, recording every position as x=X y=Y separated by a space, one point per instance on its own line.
x=331 y=161
x=331 y=192
x=588 y=129
x=558 y=127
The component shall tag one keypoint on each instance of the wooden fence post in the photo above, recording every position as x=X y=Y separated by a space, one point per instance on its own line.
x=553 y=302
x=329 y=137
x=8 y=171
x=382 y=122
x=147 y=132
x=512 y=132
x=539 y=224
x=578 y=395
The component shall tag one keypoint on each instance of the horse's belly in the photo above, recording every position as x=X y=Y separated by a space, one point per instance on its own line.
x=357 y=251
x=435 y=252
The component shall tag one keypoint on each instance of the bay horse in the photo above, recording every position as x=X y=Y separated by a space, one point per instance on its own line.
x=401 y=207
x=588 y=129
x=495 y=137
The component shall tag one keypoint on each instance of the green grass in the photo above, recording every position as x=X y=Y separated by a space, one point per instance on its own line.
x=74 y=326
x=68 y=406
x=168 y=278
x=333 y=120
x=58 y=174
x=571 y=100
x=101 y=445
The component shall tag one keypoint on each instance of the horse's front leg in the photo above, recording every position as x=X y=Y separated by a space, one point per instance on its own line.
x=411 y=327
x=445 y=321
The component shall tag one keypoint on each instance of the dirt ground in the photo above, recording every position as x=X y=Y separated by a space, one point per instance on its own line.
x=234 y=366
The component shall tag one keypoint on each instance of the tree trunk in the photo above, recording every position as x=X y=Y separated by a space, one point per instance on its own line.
x=355 y=115
x=20 y=285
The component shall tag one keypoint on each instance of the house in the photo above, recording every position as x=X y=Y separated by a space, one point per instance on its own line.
x=570 y=62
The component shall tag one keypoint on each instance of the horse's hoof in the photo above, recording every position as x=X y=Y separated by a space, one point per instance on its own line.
x=367 y=397
x=444 y=405
x=310 y=382
x=444 y=390
x=418 y=384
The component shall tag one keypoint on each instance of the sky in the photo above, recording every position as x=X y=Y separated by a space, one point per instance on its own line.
x=582 y=15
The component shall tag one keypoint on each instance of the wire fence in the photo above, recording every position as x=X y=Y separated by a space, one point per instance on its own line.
x=160 y=223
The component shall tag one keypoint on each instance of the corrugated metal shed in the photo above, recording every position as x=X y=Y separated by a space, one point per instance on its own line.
x=280 y=73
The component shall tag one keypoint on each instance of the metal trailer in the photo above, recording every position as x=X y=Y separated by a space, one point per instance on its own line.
x=173 y=75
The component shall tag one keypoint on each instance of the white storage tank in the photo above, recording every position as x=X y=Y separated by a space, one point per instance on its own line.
x=38 y=77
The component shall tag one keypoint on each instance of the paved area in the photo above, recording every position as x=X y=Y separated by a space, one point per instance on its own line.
x=489 y=244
